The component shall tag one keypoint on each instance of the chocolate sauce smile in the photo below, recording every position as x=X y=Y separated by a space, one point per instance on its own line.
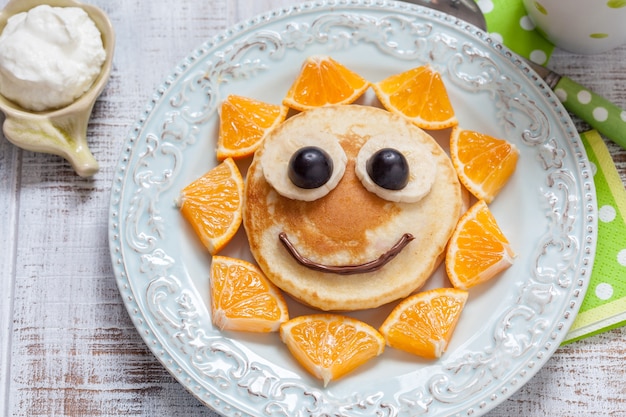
x=370 y=266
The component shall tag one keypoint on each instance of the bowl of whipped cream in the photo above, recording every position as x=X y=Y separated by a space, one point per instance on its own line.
x=55 y=60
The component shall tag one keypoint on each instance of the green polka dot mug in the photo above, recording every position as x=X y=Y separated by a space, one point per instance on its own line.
x=580 y=26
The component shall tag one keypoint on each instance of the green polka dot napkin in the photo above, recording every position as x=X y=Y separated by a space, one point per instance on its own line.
x=508 y=22
x=604 y=306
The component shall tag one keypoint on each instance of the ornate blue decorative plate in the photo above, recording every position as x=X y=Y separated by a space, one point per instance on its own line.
x=510 y=326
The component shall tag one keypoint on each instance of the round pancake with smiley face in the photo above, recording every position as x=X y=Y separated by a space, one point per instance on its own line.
x=349 y=207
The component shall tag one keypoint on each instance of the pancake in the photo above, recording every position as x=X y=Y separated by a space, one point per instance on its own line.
x=350 y=225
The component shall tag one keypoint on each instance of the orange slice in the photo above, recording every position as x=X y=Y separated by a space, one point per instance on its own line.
x=329 y=345
x=323 y=81
x=423 y=324
x=477 y=250
x=420 y=95
x=483 y=163
x=243 y=299
x=212 y=205
x=244 y=122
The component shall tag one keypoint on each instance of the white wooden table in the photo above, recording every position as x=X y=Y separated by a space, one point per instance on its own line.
x=67 y=345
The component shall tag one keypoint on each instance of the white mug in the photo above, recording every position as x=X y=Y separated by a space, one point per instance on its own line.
x=580 y=26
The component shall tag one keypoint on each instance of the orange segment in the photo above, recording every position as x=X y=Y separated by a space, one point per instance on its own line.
x=477 y=250
x=330 y=345
x=244 y=122
x=420 y=95
x=323 y=81
x=423 y=324
x=483 y=163
x=212 y=205
x=243 y=299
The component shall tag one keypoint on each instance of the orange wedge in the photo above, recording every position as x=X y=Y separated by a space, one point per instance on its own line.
x=212 y=205
x=477 y=250
x=322 y=81
x=244 y=122
x=329 y=345
x=243 y=299
x=420 y=95
x=423 y=324
x=483 y=163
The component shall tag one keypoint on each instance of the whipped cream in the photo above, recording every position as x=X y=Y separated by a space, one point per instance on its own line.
x=49 y=56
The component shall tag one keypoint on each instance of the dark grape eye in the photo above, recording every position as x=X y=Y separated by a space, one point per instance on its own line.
x=303 y=167
x=399 y=168
x=310 y=167
x=389 y=169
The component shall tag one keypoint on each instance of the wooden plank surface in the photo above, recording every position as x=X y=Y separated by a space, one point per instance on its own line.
x=68 y=347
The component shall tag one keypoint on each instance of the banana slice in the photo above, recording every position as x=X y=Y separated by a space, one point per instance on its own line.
x=397 y=169
x=278 y=158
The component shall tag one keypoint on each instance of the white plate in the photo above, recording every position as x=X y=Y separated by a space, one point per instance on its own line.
x=510 y=326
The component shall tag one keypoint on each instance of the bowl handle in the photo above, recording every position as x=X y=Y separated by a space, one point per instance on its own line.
x=64 y=135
